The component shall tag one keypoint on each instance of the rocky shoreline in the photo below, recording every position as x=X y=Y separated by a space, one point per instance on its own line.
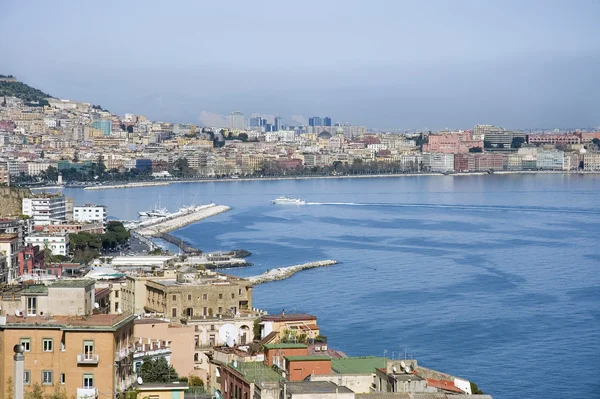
x=282 y=273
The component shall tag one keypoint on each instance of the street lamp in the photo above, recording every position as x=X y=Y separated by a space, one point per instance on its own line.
x=19 y=371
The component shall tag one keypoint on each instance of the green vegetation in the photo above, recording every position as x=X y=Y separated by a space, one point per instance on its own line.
x=37 y=392
x=475 y=149
x=24 y=92
x=517 y=142
x=475 y=389
x=86 y=246
x=157 y=370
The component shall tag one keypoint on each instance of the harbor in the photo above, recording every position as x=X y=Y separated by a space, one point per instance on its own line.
x=128 y=185
x=282 y=273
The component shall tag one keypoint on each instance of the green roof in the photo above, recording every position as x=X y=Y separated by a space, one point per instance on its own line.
x=285 y=346
x=35 y=289
x=306 y=358
x=73 y=283
x=257 y=371
x=358 y=365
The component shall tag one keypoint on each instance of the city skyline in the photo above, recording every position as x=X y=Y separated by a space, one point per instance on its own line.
x=391 y=65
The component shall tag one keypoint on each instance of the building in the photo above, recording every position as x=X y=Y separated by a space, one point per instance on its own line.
x=9 y=249
x=45 y=209
x=58 y=243
x=591 y=161
x=438 y=162
x=277 y=126
x=103 y=125
x=317 y=390
x=315 y=121
x=298 y=368
x=452 y=143
x=158 y=390
x=327 y=121
x=554 y=139
x=4 y=176
x=180 y=340
x=355 y=373
x=90 y=213
x=237 y=121
x=550 y=160
x=30 y=258
x=284 y=327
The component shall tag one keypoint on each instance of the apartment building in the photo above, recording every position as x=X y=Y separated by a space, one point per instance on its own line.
x=66 y=344
x=4 y=176
x=45 y=209
x=58 y=243
x=438 y=162
x=9 y=248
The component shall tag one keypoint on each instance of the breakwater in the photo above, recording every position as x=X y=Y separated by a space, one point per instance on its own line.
x=185 y=246
x=155 y=227
x=128 y=185
x=284 y=272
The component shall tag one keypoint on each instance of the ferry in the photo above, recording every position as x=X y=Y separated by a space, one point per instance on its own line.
x=283 y=200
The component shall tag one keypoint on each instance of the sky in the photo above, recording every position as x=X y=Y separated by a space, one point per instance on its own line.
x=384 y=64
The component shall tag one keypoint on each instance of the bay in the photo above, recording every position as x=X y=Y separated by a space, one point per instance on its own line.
x=492 y=278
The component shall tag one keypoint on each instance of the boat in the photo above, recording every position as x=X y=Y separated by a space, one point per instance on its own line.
x=283 y=200
x=156 y=213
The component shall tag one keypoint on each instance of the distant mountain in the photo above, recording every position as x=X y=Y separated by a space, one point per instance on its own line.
x=10 y=86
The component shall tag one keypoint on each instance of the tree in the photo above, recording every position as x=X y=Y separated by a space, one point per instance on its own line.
x=35 y=392
x=10 y=388
x=76 y=157
x=256 y=329
x=596 y=141
x=129 y=128
x=57 y=393
x=157 y=370
x=475 y=149
x=243 y=136
x=475 y=389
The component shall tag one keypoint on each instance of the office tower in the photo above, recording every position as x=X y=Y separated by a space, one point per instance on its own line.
x=256 y=122
x=315 y=121
x=237 y=120
x=277 y=124
x=327 y=121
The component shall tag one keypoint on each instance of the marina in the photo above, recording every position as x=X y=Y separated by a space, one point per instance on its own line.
x=156 y=226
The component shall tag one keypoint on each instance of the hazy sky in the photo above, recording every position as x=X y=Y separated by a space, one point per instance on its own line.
x=384 y=64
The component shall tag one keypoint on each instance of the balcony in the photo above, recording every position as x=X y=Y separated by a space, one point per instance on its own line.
x=87 y=393
x=88 y=358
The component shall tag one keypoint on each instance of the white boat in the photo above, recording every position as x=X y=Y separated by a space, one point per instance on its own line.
x=283 y=200
x=158 y=213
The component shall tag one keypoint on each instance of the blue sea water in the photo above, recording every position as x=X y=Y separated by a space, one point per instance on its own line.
x=491 y=278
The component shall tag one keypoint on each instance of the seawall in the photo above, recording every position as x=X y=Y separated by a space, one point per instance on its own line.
x=154 y=228
x=284 y=272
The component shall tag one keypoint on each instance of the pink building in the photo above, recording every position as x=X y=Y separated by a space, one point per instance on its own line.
x=561 y=139
x=451 y=143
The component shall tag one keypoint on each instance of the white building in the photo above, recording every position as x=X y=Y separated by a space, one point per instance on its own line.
x=591 y=161
x=237 y=120
x=437 y=162
x=550 y=160
x=45 y=209
x=90 y=213
x=57 y=243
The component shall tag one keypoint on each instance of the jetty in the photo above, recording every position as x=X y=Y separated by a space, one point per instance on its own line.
x=284 y=272
x=156 y=227
x=128 y=185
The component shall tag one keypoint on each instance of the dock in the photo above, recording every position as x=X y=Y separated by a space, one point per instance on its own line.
x=284 y=272
x=158 y=226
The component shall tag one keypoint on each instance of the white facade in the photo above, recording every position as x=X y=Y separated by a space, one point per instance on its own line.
x=89 y=213
x=437 y=162
x=550 y=160
x=45 y=210
x=57 y=243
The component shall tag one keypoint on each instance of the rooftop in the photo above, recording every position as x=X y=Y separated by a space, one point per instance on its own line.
x=307 y=358
x=150 y=321
x=101 y=321
x=285 y=346
x=160 y=386
x=315 y=387
x=75 y=283
x=289 y=317
x=257 y=371
x=358 y=365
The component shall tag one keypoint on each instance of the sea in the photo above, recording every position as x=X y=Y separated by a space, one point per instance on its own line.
x=493 y=278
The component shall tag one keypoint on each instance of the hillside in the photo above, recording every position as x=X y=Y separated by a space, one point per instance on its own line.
x=12 y=87
x=10 y=200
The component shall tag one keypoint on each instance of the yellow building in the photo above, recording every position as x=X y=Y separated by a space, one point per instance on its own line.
x=88 y=356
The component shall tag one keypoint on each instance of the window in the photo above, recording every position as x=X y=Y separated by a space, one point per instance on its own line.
x=189 y=297
x=26 y=342
x=174 y=312
x=46 y=377
x=88 y=349
x=47 y=345
x=31 y=306
x=116 y=294
x=26 y=377
x=232 y=295
x=205 y=296
x=220 y=310
x=240 y=291
x=174 y=297
x=196 y=357
x=63 y=378
x=88 y=380
x=220 y=296
x=116 y=306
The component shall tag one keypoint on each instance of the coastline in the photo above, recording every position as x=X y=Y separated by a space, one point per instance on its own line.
x=282 y=273
x=377 y=176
